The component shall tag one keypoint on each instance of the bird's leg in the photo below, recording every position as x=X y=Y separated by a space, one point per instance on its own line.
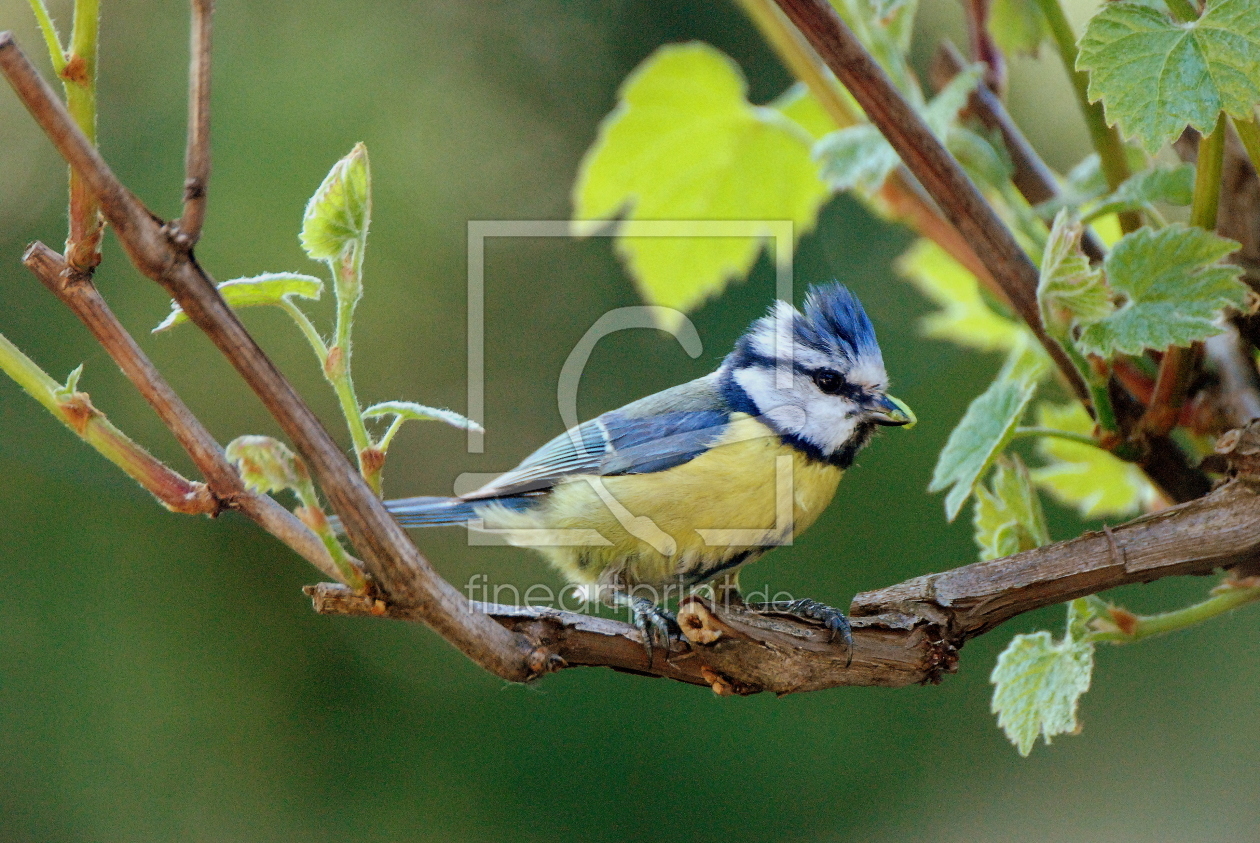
x=726 y=590
x=651 y=620
x=833 y=619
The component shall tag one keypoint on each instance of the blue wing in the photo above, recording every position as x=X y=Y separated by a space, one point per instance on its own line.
x=653 y=434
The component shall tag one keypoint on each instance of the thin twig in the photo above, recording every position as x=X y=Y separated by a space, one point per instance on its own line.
x=1035 y=181
x=403 y=575
x=197 y=157
x=78 y=293
x=938 y=172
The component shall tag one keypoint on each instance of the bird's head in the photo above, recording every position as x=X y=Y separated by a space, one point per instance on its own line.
x=815 y=377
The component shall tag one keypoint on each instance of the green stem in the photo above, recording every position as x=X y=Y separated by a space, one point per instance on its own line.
x=79 y=79
x=310 y=501
x=56 y=52
x=1183 y=10
x=1147 y=626
x=382 y=445
x=348 y=284
x=1081 y=438
x=1207 y=177
x=307 y=327
x=75 y=411
x=1104 y=413
x=801 y=60
x=1106 y=139
x=1249 y=134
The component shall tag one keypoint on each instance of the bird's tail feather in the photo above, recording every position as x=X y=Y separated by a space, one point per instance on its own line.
x=429 y=511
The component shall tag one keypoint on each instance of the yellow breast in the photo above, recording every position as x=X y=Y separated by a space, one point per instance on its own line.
x=748 y=491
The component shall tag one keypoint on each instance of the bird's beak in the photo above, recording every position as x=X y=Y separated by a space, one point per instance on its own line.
x=890 y=411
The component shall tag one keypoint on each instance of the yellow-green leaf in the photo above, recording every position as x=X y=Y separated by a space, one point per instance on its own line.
x=341 y=209
x=1038 y=682
x=986 y=428
x=1087 y=478
x=1069 y=289
x=1008 y=516
x=269 y=288
x=684 y=143
x=964 y=317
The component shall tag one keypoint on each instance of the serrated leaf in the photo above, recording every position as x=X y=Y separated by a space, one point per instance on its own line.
x=859 y=156
x=1069 y=288
x=684 y=143
x=1169 y=185
x=341 y=210
x=411 y=411
x=1017 y=25
x=266 y=464
x=1155 y=76
x=1174 y=288
x=986 y=428
x=1088 y=479
x=1037 y=684
x=1008 y=516
x=269 y=288
x=964 y=317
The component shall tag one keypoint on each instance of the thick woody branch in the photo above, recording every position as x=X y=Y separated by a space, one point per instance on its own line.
x=76 y=291
x=197 y=157
x=929 y=161
x=903 y=634
x=398 y=569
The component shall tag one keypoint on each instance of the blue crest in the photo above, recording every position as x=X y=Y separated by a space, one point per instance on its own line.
x=835 y=323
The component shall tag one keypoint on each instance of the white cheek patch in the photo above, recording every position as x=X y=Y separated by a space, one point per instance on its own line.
x=829 y=422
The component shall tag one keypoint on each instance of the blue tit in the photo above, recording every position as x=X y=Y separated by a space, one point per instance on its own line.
x=677 y=488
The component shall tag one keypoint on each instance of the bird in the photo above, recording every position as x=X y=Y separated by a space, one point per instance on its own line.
x=682 y=487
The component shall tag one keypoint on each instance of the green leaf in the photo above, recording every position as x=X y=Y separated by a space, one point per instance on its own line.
x=339 y=213
x=71 y=385
x=1170 y=185
x=964 y=317
x=684 y=143
x=1089 y=479
x=986 y=428
x=267 y=465
x=859 y=156
x=411 y=411
x=1174 y=289
x=1037 y=684
x=885 y=8
x=1155 y=76
x=1069 y=288
x=268 y=288
x=1008 y=516
x=1017 y=25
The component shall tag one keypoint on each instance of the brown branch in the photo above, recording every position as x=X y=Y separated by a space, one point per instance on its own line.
x=907 y=633
x=397 y=568
x=197 y=157
x=929 y=161
x=76 y=290
x=1035 y=181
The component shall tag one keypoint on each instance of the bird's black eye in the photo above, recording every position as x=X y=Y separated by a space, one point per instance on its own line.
x=829 y=381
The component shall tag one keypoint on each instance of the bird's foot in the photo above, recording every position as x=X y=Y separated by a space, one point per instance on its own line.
x=834 y=619
x=656 y=625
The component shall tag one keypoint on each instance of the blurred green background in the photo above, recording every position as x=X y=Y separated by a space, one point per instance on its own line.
x=162 y=677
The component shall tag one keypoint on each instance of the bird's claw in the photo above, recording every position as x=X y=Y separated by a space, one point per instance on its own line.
x=655 y=624
x=834 y=619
